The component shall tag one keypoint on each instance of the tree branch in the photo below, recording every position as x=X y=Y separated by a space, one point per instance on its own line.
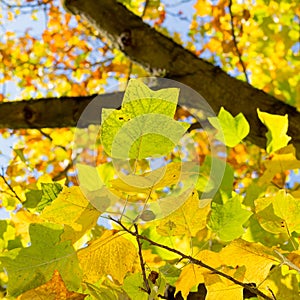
x=142 y=263
x=160 y=54
x=54 y=112
x=195 y=261
x=156 y=53
x=10 y=187
x=235 y=41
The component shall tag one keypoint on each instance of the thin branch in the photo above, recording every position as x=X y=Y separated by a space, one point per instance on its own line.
x=129 y=72
x=39 y=3
x=10 y=187
x=63 y=173
x=142 y=263
x=145 y=8
x=235 y=41
x=195 y=261
x=46 y=135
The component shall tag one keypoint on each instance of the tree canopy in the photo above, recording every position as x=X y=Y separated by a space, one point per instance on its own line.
x=121 y=188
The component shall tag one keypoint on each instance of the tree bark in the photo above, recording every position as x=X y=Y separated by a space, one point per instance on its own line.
x=54 y=112
x=161 y=55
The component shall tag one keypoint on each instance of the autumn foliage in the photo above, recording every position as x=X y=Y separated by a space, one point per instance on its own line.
x=82 y=223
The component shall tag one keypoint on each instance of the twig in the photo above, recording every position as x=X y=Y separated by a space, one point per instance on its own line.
x=45 y=134
x=39 y=3
x=235 y=41
x=195 y=261
x=145 y=8
x=142 y=263
x=63 y=173
x=129 y=72
x=10 y=187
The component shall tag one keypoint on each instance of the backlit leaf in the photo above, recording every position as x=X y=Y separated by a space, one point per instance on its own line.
x=144 y=126
x=111 y=254
x=71 y=208
x=231 y=130
x=133 y=286
x=227 y=219
x=187 y=219
x=31 y=267
x=282 y=160
x=280 y=213
x=53 y=289
x=277 y=128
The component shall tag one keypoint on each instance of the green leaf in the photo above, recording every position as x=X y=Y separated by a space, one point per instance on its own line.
x=133 y=285
x=170 y=272
x=169 y=241
x=277 y=129
x=215 y=174
x=283 y=286
x=231 y=130
x=227 y=219
x=144 y=127
x=33 y=197
x=102 y=292
x=137 y=90
x=31 y=267
x=89 y=177
x=20 y=153
x=50 y=192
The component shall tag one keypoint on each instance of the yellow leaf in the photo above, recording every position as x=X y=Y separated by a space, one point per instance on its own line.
x=203 y=8
x=220 y=288
x=162 y=177
x=279 y=214
x=282 y=160
x=277 y=128
x=192 y=275
x=71 y=208
x=54 y=289
x=255 y=257
x=111 y=254
x=62 y=137
x=187 y=219
x=22 y=219
x=45 y=178
x=250 y=262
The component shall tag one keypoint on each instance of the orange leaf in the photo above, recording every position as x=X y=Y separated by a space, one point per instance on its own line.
x=54 y=289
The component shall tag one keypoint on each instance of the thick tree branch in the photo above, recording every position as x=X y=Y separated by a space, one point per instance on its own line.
x=54 y=112
x=161 y=55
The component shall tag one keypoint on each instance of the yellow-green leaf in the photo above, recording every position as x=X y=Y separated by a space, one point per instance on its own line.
x=71 y=208
x=279 y=214
x=31 y=267
x=277 y=128
x=144 y=127
x=227 y=219
x=231 y=130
